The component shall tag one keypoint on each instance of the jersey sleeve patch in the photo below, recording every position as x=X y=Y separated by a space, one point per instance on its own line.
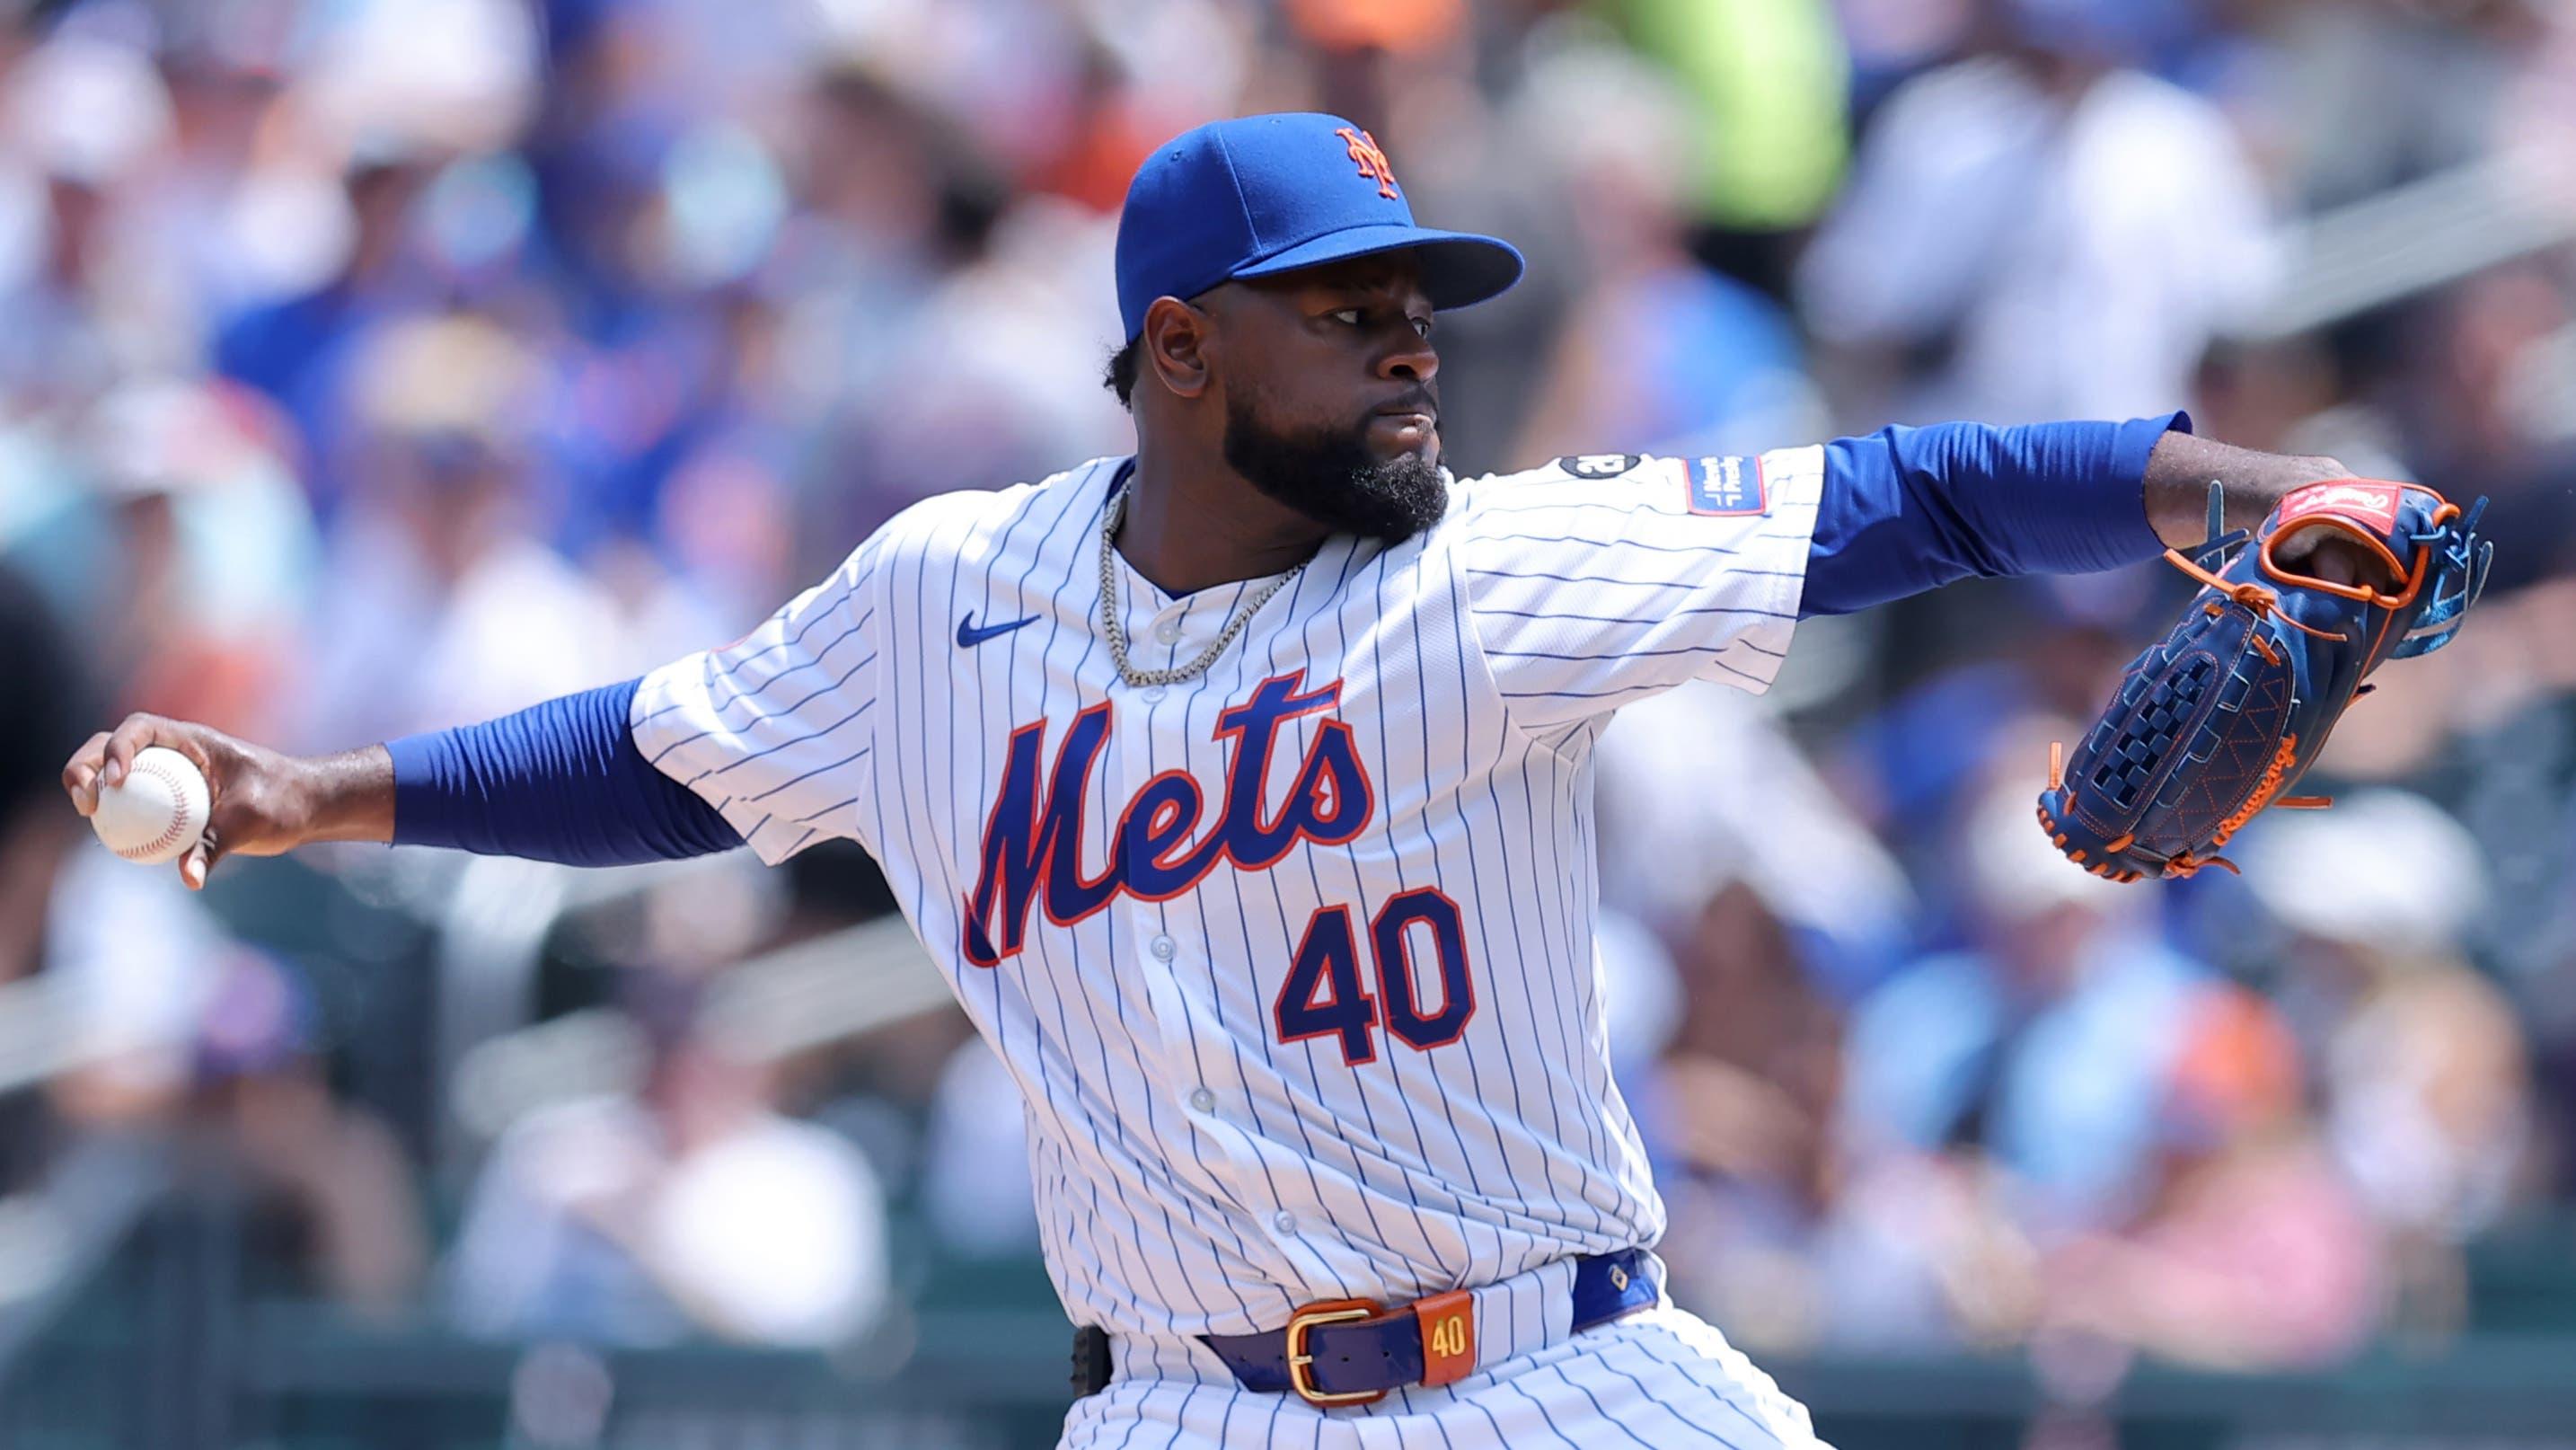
x=1599 y=465
x=1725 y=488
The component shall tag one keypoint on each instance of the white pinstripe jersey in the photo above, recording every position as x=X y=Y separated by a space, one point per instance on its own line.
x=1293 y=961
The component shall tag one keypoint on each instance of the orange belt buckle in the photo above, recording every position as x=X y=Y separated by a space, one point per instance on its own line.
x=1448 y=1337
x=1301 y=1365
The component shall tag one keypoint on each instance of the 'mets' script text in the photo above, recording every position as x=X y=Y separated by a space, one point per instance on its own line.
x=1031 y=852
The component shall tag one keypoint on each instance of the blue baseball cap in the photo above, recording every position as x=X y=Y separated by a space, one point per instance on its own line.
x=1265 y=194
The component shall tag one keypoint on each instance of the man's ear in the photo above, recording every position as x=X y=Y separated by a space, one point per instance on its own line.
x=1176 y=339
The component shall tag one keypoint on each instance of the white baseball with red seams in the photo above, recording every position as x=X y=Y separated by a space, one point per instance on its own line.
x=157 y=812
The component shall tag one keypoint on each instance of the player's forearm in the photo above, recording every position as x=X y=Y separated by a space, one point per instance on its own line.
x=2182 y=467
x=346 y=797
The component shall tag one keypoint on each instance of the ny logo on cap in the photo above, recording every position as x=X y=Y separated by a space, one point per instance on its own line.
x=1373 y=163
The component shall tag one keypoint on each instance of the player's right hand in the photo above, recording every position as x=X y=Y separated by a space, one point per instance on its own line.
x=260 y=803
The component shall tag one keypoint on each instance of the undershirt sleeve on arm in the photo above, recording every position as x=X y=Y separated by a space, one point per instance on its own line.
x=1905 y=510
x=559 y=781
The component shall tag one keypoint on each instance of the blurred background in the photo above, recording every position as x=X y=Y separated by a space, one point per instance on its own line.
x=374 y=365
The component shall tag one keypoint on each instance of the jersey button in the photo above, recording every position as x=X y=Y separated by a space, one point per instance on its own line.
x=1203 y=1100
x=1169 y=632
x=1161 y=947
x=1284 y=1221
x=1153 y=693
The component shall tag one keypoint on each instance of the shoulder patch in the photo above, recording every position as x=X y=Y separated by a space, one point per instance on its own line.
x=1599 y=465
x=1724 y=487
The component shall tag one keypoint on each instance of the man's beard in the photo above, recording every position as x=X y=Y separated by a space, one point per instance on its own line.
x=1334 y=479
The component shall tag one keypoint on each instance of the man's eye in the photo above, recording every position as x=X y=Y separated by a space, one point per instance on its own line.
x=1421 y=326
x=1350 y=315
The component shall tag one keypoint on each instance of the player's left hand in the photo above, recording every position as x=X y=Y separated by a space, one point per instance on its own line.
x=2219 y=719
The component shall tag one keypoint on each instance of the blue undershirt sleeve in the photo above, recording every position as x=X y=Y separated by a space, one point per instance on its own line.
x=1909 y=509
x=560 y=781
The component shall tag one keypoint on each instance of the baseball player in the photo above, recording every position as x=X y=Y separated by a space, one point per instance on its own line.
x=1242 y=790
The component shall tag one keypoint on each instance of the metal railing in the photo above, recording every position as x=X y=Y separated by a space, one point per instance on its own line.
x=2412 y=239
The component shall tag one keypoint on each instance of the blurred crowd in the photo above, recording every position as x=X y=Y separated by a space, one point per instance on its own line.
x=379 y=365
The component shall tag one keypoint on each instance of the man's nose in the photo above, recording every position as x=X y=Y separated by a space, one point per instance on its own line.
x=1413 y=358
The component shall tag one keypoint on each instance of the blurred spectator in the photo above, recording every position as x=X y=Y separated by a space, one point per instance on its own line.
x=2425 y=1073
x=381 y=364
x=1742 y=1115
x=133 y=960
x=43 y=717
x=2044 y=1043
x=1666 y=356
x=1912 y=767
x=87 y=122
x=2253 y=1251
x=1642 y=996
x=2041 y=231
x=1769 y=127
x=162 y=1025
x=1767 y=86
x=2480 y=405
x=2354 y=99
x=173 y=542
x=331 y=1200
x=440 y=553
x=692 y=1205
x=975 y=1177
x=1666 y=851
x=298 y=350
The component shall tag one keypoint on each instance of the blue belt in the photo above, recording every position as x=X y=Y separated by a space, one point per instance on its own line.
x=1353 y=1351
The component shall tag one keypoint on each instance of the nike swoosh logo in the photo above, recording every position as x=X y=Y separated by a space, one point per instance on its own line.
x=969 y=634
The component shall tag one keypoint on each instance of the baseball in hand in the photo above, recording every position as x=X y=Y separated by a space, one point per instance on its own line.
x=159 y=810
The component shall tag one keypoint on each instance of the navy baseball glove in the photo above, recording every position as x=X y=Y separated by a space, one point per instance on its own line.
x=2218 y=720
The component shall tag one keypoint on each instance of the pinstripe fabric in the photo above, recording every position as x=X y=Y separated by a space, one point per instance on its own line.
x=1199 y=1168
